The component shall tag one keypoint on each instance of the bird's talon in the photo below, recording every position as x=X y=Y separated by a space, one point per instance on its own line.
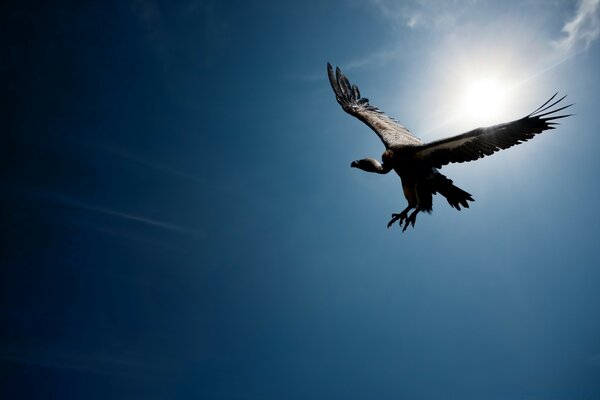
x=395 y=217
x=401 y=218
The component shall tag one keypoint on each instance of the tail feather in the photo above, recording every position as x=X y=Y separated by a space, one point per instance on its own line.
x=456 y=196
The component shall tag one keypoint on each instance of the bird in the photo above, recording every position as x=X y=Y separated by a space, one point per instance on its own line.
x=418 y=163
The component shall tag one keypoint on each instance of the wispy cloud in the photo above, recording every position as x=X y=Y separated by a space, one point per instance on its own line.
x=423 y=13
x=120 y=152
x=381 y=57
x=415 y=14
x=582 y=29
x=134 y=217
x=71 y=202
x=462 y=19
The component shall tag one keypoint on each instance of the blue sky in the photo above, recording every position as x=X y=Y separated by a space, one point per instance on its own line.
x=180 y=219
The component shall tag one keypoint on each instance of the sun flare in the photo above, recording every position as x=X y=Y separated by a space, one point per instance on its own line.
x=483 y=100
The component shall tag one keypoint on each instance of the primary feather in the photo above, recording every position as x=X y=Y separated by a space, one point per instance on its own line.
x=389 y=131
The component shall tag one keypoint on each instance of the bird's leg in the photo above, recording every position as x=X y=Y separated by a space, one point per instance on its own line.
x=412 y=218
x=399 y=217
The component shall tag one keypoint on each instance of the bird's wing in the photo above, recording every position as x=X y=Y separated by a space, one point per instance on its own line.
x=389 y=131
x=483 y=142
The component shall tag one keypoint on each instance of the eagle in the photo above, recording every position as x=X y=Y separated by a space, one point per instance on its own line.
x=418 y=163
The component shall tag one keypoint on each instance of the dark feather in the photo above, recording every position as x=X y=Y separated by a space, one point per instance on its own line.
x=486 y=141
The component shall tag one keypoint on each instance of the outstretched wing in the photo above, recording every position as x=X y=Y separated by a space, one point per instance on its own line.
x=389 y=131
x=482 y=142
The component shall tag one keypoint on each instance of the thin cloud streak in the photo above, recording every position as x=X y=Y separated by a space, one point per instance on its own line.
x=61 y=199
x=127 y=155
x=381 y=57
x=136 y=218
x=424 y=13
x=154 y=165
x=416 y=14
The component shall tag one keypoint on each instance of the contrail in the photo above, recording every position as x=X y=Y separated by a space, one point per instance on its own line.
x=157 y=166
x=133 y=217
x=58 y=198
x=544 y=70
x=124 y=154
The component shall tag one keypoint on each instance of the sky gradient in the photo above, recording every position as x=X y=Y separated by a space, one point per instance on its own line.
x=179 y=218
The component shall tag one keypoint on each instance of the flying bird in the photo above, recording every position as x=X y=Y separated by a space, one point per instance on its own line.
x=417 y=163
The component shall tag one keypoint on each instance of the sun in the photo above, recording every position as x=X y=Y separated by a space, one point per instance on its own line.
x=483 y=99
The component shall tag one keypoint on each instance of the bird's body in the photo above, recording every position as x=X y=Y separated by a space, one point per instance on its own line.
x=417 y=163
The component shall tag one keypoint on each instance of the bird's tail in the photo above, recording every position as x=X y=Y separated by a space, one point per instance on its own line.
x=456 y=196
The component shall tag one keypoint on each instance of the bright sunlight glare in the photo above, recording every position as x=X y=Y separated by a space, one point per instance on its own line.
x=484 y=100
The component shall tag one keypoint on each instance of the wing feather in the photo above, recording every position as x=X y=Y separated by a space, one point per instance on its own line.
x=348 y=96
x=482 y=142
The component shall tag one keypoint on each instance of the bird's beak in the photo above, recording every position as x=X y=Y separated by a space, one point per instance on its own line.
x=354 y=164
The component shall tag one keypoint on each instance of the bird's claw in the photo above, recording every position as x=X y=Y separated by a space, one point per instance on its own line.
x=410 y=220
x=397 y=217
x=403 y=218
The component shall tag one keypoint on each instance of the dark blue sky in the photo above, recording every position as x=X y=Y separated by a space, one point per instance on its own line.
x=180 y=220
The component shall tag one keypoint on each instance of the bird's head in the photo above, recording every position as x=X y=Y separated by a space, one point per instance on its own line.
x=366 y=164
